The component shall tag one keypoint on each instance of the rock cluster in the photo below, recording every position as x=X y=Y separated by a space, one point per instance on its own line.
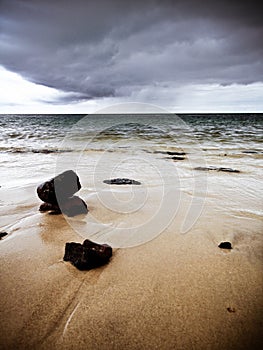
x=58 y=195
x=88 y=255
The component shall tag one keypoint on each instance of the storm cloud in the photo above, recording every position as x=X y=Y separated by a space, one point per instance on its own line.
x=96 y=49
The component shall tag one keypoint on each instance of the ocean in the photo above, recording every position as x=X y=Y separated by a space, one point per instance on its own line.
x=207 y=158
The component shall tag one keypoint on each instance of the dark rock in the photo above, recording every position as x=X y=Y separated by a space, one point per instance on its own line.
x=55 y=212
x=48 y=207
x=48 y=151
x=159 y=152
x=44 y=151
x=229 y=170
x=88 y=255
x=175 y=153
x=177 y=158
x=74 y=206
x=59 y=188
x=225 y=245
x=231 y=309
x=204 y=168
x=171 y=153
x=57 y=194
x=3 y=234
x=250 y=152
x=119 y=181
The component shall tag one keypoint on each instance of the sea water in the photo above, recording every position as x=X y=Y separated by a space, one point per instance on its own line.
x=30 y=142
x=33 y=148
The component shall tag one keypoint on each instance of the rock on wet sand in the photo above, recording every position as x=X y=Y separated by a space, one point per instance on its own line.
x=225 y=245
x=88 y=255
x=3 y=234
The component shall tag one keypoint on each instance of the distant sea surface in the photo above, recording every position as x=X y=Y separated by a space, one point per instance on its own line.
x=45 y=133
x=29 y=138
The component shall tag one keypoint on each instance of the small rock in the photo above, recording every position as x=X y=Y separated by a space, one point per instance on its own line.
x=43 y=151
x=225 y=245
x=250 y=152
x=159 y=152
x=177 y=158
x=88 y=255
x=175 y=153
x=3 y=234
x=231 y=309
x=123 y=181
x=204 y=168
x=48 y=207
x=229 y=170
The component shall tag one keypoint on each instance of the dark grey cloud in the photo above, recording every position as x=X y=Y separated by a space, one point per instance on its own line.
x=96 y=49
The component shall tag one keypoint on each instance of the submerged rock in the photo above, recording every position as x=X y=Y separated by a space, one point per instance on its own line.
x=120 y=181
x=59 y=188
x=88 y=255
x=171 y=153
x=250 y=152
x=44 y=151
x=176 y=153
x=177 y=158
x=3 y=234
x=204 y=168
x=229 y=170
x=225 y=245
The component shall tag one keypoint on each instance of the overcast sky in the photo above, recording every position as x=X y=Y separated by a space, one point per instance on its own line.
x=80 y=56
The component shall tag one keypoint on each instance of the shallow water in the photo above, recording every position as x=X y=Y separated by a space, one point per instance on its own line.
x=34 y=148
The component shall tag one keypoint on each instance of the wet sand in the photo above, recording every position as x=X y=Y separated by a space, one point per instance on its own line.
x=178 y=291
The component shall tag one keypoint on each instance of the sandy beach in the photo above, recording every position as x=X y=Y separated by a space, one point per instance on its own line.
x=168 y=285
x=177 y=291
x=154 y=238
